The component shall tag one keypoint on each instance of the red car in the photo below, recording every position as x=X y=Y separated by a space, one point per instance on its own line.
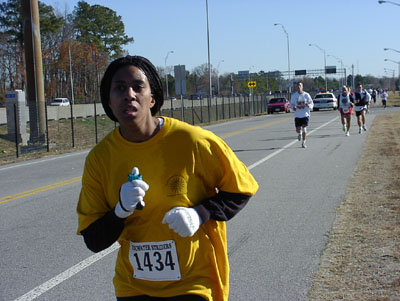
x=278 y=104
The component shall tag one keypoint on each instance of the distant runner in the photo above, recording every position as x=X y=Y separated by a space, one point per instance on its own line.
x=374 y=92
x=384 y=96
x=362 y=99
x=301 y=103
x=346 y=103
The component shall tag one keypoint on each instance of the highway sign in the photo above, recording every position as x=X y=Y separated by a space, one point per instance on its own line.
x=243 y=74
x=180 y=79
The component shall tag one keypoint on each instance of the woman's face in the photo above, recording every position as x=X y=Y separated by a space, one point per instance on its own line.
x=130 y=96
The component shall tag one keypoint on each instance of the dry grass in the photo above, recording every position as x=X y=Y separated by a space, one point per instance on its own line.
x=362 y=258
x=60 y=139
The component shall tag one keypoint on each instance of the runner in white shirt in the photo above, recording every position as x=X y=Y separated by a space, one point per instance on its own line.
x=361 y=99
x=370 y=98
x=301 y=103
x=345 y=103
x=384 y=96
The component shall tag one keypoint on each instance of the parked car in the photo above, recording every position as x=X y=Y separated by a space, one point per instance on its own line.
x=278 y=104
x=325 y=101
x=196 y=96
x=63 y=102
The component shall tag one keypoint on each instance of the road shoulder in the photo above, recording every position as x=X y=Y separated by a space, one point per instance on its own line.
x=362 y=258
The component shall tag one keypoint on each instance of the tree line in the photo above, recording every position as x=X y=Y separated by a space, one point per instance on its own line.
x=85 y=40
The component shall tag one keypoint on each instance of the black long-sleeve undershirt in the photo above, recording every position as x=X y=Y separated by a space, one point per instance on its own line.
x=106 y=230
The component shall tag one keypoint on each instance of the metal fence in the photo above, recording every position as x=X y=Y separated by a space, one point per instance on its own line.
x=73 y=133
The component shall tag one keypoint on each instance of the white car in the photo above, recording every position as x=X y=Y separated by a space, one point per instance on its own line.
x=325 y=101
x=63 y=102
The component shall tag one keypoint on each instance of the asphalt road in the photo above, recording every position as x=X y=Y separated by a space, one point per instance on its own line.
x=274 y=243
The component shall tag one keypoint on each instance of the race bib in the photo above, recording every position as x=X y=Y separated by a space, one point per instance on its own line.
x=155 y=261
x=346 y=110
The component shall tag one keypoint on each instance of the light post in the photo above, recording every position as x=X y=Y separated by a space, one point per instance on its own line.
x=288 y=52
x=221 y=61
x=250 y=89
x=394 y=61
x=70 y=73
x=391 y=49
x=166 y=73
x=323 y=50
x=394 y=3
x=209 y=57
x=390 y=72
x=398 y=63
x=341 y=66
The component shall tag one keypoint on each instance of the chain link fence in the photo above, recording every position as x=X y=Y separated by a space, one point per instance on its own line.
x=66 y=131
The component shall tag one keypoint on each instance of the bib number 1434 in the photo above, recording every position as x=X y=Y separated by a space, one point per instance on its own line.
x=155 y=261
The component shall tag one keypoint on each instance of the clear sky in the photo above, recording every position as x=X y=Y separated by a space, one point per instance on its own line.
x=243 y=35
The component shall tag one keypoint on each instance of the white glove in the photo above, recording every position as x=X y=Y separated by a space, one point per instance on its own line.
x=131 y=196
x=184 y=221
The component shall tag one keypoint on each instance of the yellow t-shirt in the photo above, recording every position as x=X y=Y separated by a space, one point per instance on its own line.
x=183 y=165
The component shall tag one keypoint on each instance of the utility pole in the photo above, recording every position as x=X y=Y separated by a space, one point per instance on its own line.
x=34 y=71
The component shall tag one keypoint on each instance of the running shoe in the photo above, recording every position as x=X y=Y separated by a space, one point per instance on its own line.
x=360 y=131
x=364 y=128
x=344 y=127
x=299 y=137
x=303 y=144
x=347 y=133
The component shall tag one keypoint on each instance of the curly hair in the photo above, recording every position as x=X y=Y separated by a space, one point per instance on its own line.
x=149 y=70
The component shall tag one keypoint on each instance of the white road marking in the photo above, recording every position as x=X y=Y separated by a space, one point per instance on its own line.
x=250 y=167
x=41 y=289
x=56 y=157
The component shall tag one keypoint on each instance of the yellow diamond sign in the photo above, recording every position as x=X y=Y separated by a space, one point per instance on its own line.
x=251 y=84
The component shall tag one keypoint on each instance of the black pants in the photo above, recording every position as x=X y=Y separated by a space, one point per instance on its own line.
x=175 y=298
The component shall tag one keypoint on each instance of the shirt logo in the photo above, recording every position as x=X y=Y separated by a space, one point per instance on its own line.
x=176 y=185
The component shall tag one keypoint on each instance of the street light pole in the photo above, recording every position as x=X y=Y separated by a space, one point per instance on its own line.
x=394 y=61
x=250 y=89
x=394 y=3
x=166 y=73
x=391 y=49
x=398 y=63
x=208 y=47
x=323 y=50
x=288 y=52
x=390 y=72
x=218 y=74
x=341 y=66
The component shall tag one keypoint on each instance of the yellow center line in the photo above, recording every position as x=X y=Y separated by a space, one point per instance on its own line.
x=254 y=128
x=73 y=180
x=39 y=189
